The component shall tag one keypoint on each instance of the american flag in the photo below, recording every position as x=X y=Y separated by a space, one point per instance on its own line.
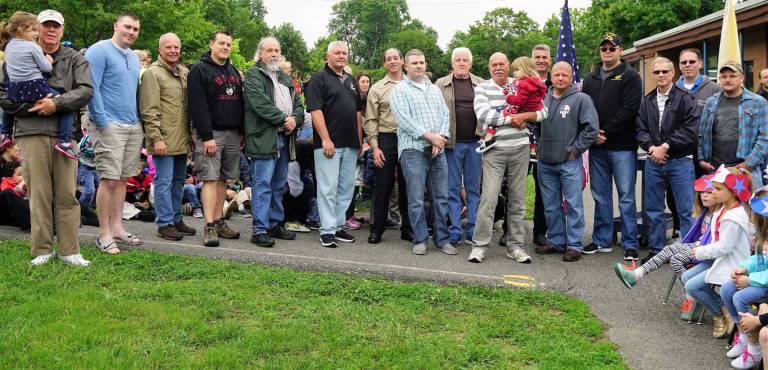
x=566 y=50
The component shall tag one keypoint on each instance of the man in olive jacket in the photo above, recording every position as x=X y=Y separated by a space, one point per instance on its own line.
x=272 y=110
x=163 y=107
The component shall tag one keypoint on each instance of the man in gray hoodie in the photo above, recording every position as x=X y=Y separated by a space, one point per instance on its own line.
x=569 y=129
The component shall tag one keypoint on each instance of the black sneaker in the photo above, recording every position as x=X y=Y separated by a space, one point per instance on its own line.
x=312 y=225
x=647 y=258
x=540 y=240
x=279 y=232
x=630 y=255
x=390 y=224
x=593 y=248
x=344 y=236
x=503 y=240
x=263 y=240
x=328 y=240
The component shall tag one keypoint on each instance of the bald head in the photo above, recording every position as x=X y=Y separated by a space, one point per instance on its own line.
x=563 y=66
x=562 y=78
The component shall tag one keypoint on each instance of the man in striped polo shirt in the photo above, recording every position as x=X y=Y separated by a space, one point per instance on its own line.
x=509 y=155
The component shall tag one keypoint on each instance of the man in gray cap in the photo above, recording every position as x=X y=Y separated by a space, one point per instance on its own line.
x=49 y=175
x=729 y=136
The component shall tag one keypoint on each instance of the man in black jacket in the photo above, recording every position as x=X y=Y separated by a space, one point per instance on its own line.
x=215 y=108
x=667 y=125
x=616 y=90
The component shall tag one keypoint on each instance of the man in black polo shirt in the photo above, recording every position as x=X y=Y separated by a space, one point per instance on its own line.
x=334 y=102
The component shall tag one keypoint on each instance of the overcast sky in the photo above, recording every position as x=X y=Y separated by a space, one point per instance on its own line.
x=311 y=17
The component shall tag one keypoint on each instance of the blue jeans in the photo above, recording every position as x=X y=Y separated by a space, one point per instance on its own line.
x=88 y=178
x=313 y=214
x=335 y=187
x=269 y=178
x=679 y=174
x=464 y=163
x=170 y=174
x=740 y=300
x=422 y=169
x=557 y=181
x=190 y=194
x=696 y=287
x=620 y=166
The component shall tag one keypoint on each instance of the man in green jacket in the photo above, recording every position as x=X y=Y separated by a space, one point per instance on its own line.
x=163 y=107
x=272 y=111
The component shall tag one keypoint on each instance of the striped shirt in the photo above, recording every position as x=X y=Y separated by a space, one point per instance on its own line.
x=661 y=102
x=489 y=102
x=418 y=109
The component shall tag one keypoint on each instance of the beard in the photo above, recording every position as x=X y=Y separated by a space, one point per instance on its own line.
x=273 y=66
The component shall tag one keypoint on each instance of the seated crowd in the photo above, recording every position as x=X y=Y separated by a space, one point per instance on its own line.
x=448 y=160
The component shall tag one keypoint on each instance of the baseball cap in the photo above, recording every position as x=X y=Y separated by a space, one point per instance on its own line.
x=50 y=15
x=733 y=66
x=759 y=201
x=611 y=37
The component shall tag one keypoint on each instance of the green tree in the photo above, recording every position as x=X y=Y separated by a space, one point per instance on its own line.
x=501 y=30
x=237 y=58
x=418 y=36
x=366 y=26
x=240 y=18
x=293 y=47
x=317 y=58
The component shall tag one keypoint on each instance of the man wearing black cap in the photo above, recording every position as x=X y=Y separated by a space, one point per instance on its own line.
x=734 y=126
x=616 y=90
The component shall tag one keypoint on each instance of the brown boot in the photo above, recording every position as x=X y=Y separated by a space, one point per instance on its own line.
x=210 y=238
x=184 y=229
x=169 y=233
x=225 y=231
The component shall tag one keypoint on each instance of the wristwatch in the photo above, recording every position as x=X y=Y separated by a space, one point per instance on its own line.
x=665 y=146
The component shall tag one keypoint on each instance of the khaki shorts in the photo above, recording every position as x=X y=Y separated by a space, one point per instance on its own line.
x=117 y=150
x=226 y=164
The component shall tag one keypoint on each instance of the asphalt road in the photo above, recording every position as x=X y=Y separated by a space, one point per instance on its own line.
x=648 y=334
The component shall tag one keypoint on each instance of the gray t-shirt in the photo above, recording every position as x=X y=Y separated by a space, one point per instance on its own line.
x=725 y=132
x=605 y=74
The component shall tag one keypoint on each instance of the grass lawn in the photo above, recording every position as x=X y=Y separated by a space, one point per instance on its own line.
x=147 y=310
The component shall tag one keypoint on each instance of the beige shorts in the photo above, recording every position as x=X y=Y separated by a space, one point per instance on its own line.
x=226 y=164
x=117 y=150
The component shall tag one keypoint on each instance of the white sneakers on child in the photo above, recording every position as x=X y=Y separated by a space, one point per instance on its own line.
x=485 y=145
x=744 y=355
x=41 y=260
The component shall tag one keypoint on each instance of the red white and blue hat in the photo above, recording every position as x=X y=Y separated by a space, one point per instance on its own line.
x=737 y=183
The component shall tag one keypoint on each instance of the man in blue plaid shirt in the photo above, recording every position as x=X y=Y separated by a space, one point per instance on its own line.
x=422 y=132
x=734 y=127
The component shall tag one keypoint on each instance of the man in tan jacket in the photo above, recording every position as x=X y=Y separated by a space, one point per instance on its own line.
x=163 y=106
x=464 y=163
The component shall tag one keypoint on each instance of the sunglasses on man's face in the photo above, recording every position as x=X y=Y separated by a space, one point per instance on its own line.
x=687 y=62
x=605 y=49
x=661 y=72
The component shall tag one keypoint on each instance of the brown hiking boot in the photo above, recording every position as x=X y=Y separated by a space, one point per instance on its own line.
x=169 y=233
x=225 y=231
x=210 y=236
x=184 y=229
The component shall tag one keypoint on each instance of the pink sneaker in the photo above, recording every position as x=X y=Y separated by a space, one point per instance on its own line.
x=352 y=224
x=68 y=151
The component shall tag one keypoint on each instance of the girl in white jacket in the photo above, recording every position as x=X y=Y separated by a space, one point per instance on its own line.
x=731 y=234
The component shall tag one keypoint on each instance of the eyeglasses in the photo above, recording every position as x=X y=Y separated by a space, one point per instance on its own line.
x=661 y=72
x=607 y=49
x=688 y=62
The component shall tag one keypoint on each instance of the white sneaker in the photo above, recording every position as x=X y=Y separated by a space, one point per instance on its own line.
x=739 y=345
x=420 y=249
x=75 y=260
x=449 y=249
x=41 y=260
x=197 y=213
x=518 y=254
x=477 y=255
x=747 y=360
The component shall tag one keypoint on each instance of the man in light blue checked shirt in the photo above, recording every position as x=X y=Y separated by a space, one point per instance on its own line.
x=422 y=132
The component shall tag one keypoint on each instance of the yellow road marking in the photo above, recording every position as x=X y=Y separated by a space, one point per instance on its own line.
x=519 y=284
x=521 y=277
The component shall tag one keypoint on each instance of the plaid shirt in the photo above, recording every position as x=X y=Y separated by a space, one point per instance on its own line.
x=753 y=129
x=418 y=110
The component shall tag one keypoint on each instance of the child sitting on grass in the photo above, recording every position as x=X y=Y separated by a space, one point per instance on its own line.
x=749 y=284
x=525 y=94
x=731 y=233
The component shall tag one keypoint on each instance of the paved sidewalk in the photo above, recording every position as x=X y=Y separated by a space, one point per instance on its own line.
x=649 y=335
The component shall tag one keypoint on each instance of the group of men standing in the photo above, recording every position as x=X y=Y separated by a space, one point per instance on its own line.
x=422 y=135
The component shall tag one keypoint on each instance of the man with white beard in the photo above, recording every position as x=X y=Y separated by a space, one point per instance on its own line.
x=272 y=109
